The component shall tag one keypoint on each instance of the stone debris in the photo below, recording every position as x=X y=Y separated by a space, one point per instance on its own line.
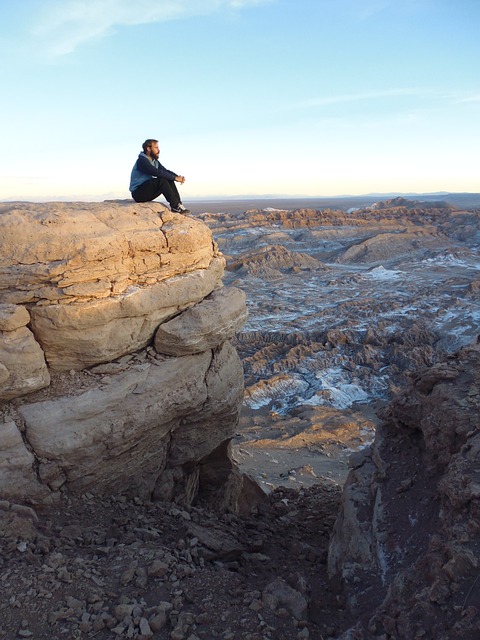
x=85 y=569
x=279 y=594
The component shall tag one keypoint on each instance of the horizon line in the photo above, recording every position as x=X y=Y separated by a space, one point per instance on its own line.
x=372 y=194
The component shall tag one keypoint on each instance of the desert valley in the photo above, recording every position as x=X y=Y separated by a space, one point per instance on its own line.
x=342 y=308
x=354 y=509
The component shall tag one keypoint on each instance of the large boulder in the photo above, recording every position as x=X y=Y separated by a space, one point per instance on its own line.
x=22 y=362
x=70 y=252
x=79 y=335
x=205 y=325
x=93 y=405
x=98 y=279
x=125 y=431
x=17 y=473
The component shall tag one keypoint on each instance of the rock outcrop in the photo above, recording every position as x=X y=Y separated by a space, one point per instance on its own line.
x=116 y=370
x=405 y=548
x=390 y=247
x=22 y=362
x=273 y=259
x=200 y=327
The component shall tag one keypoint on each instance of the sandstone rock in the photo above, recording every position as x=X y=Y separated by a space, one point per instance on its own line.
x=105 y=434
x=204 y=326
x=100 y=278
x=122 y=435
x=69 y=251
x=206 y=432
x=219 y=416
x=23 y=368
x=79 y=335
x=93 y=282
x=12 y=317
x=17 y=476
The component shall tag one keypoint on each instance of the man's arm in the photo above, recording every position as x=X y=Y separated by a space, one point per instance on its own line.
x=145 y=166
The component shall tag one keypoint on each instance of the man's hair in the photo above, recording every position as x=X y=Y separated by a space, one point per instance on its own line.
x=148 y=143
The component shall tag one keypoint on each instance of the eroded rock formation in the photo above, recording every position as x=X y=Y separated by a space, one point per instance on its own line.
x=116 y=370
x=405 y=547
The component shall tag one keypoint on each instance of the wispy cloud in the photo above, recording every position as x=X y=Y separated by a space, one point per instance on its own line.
x=469 y=98
x=64 y=25
x=356 y=97
x=441 y=97
x=367 y=9
x=370 y=8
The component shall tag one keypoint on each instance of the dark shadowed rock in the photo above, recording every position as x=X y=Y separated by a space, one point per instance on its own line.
x=405 y=546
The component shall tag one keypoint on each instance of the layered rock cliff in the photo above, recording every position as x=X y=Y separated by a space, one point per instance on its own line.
x=116 y=368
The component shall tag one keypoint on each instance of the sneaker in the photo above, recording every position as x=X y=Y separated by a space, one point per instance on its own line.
x=180 y=209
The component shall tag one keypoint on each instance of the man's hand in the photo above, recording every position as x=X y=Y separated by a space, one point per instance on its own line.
x=180 y=179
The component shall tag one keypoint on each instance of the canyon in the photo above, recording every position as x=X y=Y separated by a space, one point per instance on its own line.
x=343 y=308
x=328 y=490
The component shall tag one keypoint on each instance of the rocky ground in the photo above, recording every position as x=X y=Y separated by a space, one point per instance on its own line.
x=310 y=447
x=112 y=568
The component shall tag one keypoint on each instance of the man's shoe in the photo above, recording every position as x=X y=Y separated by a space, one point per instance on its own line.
x=180 y=209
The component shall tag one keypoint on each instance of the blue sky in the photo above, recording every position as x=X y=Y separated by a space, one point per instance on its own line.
x=293 y=97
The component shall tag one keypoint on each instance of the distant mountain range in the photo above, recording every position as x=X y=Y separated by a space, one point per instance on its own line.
x=243 y=203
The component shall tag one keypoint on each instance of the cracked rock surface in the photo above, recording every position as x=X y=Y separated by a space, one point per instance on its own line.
x=89 y=403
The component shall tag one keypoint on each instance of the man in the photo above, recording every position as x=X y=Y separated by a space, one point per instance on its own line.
x=151 y=179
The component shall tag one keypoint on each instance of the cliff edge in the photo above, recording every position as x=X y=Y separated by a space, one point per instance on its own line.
x=405 y=547
x=116 y=368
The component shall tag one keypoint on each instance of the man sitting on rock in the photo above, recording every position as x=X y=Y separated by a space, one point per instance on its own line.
x=150 y=179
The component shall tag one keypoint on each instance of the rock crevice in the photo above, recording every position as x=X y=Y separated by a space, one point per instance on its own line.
x=405 y=545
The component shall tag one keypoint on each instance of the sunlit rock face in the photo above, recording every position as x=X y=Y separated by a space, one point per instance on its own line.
x=99 y=279
x=22 y=362
x=89 y=403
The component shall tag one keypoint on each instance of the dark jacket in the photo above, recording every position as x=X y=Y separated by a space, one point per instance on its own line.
x=145 y=169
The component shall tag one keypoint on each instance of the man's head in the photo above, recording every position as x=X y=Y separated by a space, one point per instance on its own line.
x=150 y=148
